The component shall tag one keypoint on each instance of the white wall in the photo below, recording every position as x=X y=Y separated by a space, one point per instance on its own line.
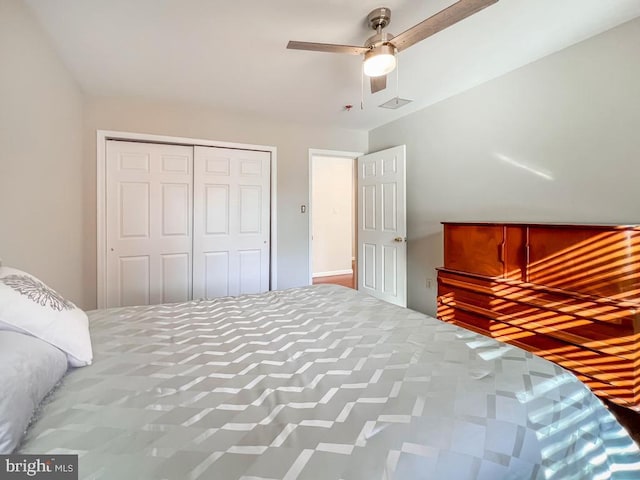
x=293 y=142
x=332 y=215
x=41 y=200
x=557 y=140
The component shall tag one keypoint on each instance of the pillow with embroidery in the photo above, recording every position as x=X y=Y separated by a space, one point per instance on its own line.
x=29 y=306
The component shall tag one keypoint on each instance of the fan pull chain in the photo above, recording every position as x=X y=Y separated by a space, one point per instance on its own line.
x=362 y=87
x=397 y=76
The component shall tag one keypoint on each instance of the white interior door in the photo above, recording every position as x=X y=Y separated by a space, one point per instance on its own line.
x=231 y=221
x=382 y=225
x=149 y=216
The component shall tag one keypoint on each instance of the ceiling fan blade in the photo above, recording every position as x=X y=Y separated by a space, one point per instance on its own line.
x=441 y=20
x=327 y=47
x=378 y=83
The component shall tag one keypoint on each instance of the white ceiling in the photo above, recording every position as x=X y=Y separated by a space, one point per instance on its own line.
x=231 y=55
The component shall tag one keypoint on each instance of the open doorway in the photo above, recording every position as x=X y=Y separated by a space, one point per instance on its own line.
x=332 y=219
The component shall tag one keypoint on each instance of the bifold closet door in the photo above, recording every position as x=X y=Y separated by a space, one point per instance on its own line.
x=149 y=223
x=231 y=233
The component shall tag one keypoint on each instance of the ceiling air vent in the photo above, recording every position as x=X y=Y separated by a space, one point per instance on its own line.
x=395 y=102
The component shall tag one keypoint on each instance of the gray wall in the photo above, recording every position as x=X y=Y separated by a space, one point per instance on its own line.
x=41 y=163
x=557 y=140
x=293 y=142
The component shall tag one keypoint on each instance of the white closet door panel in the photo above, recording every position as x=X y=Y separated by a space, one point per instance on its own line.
x=216 y=209
x=231 y=221
x=251 y=167
x=217 y=163
x=133 y=205
x=176 y=272
x=175 y=209
x=176 y=163
x=149 y=223
x=250 y=271
x=216 y=273
x=134 y=161
x=250 y=209
x=133 y=280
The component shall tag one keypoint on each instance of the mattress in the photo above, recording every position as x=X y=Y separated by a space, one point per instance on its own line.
x=320 y=382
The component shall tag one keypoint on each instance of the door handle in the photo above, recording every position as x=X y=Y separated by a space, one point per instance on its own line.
x=400 y=239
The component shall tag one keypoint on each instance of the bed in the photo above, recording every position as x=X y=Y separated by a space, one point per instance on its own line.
x=319 y=382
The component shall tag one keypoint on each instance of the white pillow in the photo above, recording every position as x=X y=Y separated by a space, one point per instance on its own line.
x=28 y=306
x=29 y=369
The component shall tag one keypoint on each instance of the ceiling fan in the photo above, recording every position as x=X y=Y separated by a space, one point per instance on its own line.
x=380 y=50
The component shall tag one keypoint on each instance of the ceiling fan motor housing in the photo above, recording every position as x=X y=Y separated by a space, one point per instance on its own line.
x=379 y=18
x=378 y=39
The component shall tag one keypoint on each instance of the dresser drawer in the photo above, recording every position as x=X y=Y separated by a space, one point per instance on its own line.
x=604 y=328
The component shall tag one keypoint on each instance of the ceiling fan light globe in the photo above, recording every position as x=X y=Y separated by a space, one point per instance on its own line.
x=379 y=61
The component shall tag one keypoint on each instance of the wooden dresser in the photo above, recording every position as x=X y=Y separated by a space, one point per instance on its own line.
x=569 y=293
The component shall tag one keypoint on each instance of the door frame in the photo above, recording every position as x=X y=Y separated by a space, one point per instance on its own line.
x=316 y=152
x=102 y=136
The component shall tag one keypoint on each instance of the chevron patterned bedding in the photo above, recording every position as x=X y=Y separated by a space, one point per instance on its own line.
x=320 y=383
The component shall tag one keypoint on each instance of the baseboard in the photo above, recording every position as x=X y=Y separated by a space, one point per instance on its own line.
x=333 y=273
